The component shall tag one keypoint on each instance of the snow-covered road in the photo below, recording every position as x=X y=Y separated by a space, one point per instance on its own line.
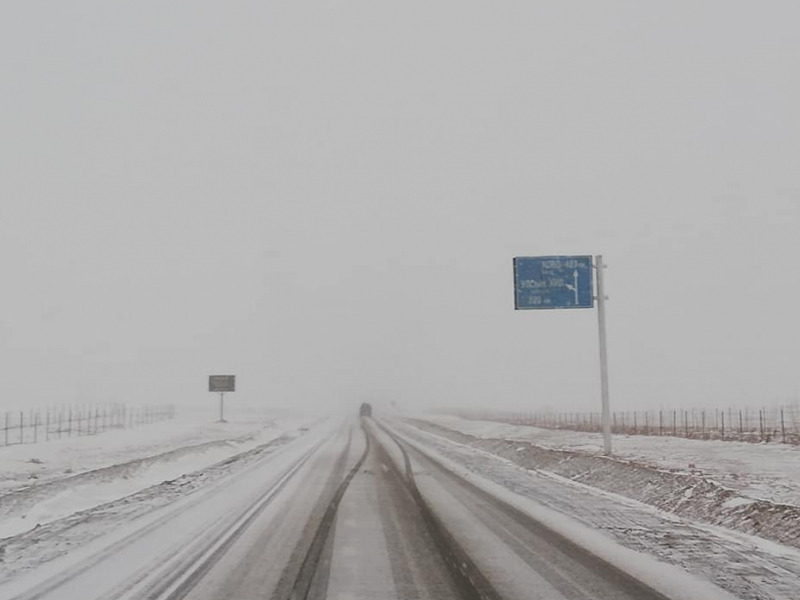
x=346 y=510
x=745 y=565
x=381 y=547
x=68 y=476
x=134 y=554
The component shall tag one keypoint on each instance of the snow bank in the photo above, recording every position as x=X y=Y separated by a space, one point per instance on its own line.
x=761 y=471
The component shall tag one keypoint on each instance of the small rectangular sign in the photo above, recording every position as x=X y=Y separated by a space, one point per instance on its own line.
x=542 y=282
x=222 y=383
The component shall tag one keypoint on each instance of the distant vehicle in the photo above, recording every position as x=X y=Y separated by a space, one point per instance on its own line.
x=365 y=410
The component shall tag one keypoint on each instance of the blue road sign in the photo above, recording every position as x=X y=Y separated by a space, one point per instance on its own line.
x=553 y=282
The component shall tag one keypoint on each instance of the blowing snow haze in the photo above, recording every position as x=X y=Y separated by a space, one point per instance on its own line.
x=325 y=199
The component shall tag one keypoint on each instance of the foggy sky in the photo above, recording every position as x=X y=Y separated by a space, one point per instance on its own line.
x=324 y=198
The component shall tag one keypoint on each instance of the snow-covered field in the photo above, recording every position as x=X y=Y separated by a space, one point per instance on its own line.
x=760 y=471
x=40 y=483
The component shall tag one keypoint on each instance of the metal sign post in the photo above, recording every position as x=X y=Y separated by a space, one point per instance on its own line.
x=221 y=384
x=601 y=327
x=558 y=282
x=221 y=404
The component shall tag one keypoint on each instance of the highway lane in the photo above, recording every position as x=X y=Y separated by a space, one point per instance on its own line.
x=519 y=558
x=376 y=547
x=266 y=560
x=381 y=545
x=141 y=559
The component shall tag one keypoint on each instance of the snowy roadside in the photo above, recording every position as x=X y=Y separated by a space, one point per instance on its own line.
x=760 y=471
x=45 y=482
x=747 y=566
x=191 y=504
x=26 y=464
x=689 y=492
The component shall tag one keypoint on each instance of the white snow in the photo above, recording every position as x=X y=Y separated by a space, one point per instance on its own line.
x=734 y=502
x=74 y=474
x=30 y=463
x=761 y=471
x=743 y=564
x=667 y=579
x=132 y=555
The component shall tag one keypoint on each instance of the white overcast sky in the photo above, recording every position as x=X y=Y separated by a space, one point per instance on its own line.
x=324 y=198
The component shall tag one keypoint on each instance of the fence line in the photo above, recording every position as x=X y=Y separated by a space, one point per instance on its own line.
x=45 y=424
x=777 y=424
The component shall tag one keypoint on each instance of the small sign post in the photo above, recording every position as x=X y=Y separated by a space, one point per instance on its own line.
x=553 y=282
x=221 y=384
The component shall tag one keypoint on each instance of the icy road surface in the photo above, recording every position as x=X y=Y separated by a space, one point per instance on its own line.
x=342 y=510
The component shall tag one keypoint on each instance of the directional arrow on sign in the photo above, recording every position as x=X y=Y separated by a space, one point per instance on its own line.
x=574 y=286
